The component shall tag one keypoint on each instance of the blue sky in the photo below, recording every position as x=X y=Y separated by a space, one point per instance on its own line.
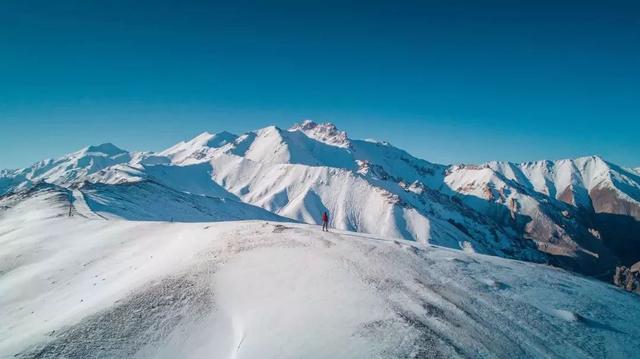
x=449 y=81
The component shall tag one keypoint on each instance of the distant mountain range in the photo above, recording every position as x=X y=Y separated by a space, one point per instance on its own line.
x=581 y=214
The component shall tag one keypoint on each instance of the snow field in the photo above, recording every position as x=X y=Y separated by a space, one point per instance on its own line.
x=79 y=287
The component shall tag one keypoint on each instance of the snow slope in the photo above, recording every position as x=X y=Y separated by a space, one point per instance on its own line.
x=141 y=201
x=581 y=214
x=81 y=287
x=366 y=186
x=151 y=201
x=583 y=211
x=193 y=179
x=197 y=148
x=73 y=167
x=498 y=208
x=362 y=204
x=574 y=181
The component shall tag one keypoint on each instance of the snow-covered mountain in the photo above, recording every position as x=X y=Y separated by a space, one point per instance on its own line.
x=74 y=167
x=582 y=214
x=584 y=206
x=141 y=201
x=198 y=147
x=83 y=287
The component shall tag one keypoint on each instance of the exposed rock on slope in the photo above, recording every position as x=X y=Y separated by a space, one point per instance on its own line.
x=628 y=278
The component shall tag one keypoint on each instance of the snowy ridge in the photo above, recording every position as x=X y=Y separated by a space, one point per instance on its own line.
x=358 y=203
x=574 y=207
x=576 y=213
x=150 y=201
x=97 y=288
x=198 y=147
x=143 y=200
x=74 y=167
x=327 y=133
x=570 y=180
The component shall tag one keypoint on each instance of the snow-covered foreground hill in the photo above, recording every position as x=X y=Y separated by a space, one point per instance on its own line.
x=84 y=287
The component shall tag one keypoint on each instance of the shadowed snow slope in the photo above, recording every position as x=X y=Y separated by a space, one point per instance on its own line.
x=77 y=287
x=198 y=146
x=140 y=201
x=150 y=201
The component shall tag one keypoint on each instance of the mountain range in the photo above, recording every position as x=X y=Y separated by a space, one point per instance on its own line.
x=580 y=214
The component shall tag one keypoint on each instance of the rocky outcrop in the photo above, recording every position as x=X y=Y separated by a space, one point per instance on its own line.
x=628 y=278
x=325 y=132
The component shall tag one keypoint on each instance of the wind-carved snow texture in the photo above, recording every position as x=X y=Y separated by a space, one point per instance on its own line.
x=131 y=326
x=91 y=288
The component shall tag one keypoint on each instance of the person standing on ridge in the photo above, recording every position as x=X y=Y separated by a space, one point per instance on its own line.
x=325 y=222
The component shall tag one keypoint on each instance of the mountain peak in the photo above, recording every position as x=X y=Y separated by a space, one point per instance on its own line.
x=325 y=132
x=202 y=136
x=305 y=125
x=595 y=158
x=198 y=147
x=107 y=148
x=220 y=139
x=214 y=140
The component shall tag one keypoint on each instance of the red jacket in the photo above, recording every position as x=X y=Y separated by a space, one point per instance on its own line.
x=325 y=218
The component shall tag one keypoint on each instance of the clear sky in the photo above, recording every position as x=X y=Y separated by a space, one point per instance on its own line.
x=449 y=81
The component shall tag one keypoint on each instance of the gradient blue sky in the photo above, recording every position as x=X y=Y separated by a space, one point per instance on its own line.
x=449 y=81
